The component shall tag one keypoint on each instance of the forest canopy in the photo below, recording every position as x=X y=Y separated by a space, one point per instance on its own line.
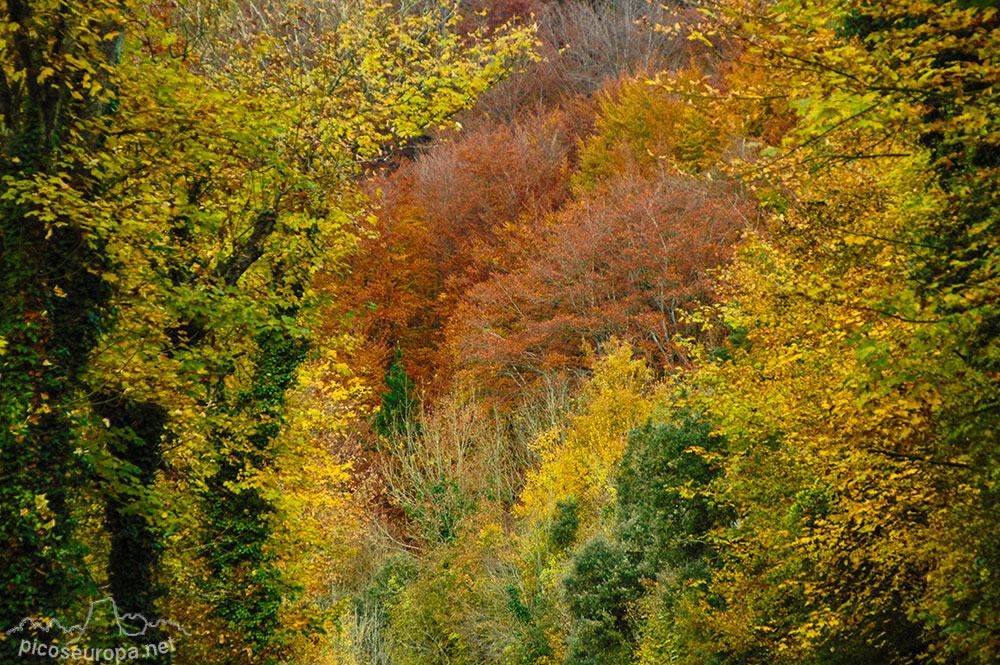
x=501 y=331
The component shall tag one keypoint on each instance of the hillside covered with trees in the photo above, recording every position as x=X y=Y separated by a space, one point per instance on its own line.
x=500 y=332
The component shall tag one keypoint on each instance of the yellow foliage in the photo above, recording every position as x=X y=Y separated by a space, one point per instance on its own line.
x=643 y=123
x=578 y=460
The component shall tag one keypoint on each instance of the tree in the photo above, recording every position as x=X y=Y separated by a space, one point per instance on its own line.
x=400 y=404
x=192 y=220
x=56 y=103
x=664 y=514
x=601 y=590
x=865 y=500
x=630 y=260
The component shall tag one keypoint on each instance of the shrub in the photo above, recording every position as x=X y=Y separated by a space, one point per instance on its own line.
x=664 y=513
x=564 y=524
x=601 y=591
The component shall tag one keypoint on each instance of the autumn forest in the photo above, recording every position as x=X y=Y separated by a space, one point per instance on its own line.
x=500 y=332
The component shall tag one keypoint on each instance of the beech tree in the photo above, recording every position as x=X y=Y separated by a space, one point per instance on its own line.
x=860 y=395
x=56 y=101
x=631 y=261
x=163 y=218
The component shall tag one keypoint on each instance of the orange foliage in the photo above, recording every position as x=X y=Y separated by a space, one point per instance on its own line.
x=627 y=261
x=446 y=222
x=476 y=207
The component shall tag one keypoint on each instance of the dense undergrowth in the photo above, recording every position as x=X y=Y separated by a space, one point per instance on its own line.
x=685 y=343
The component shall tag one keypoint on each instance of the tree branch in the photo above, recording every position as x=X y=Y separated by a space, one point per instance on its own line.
x=915 y=458
x=252 y=249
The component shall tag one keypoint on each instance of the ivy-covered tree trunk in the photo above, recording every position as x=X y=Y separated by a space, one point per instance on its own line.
x=136 y=547
x=249 y=587
x=45 y=340
x=51 y=294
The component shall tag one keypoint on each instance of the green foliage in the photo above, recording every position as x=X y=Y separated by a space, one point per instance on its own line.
x=390 y=578
x=248 y=586
x=515 y=604
x=565 y=523
x=664 y=520
x=400 y=404
x=601 y=591
x=811 y=504
x=664 y=511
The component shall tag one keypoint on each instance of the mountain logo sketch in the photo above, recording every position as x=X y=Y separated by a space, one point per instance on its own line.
x=121 y=620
